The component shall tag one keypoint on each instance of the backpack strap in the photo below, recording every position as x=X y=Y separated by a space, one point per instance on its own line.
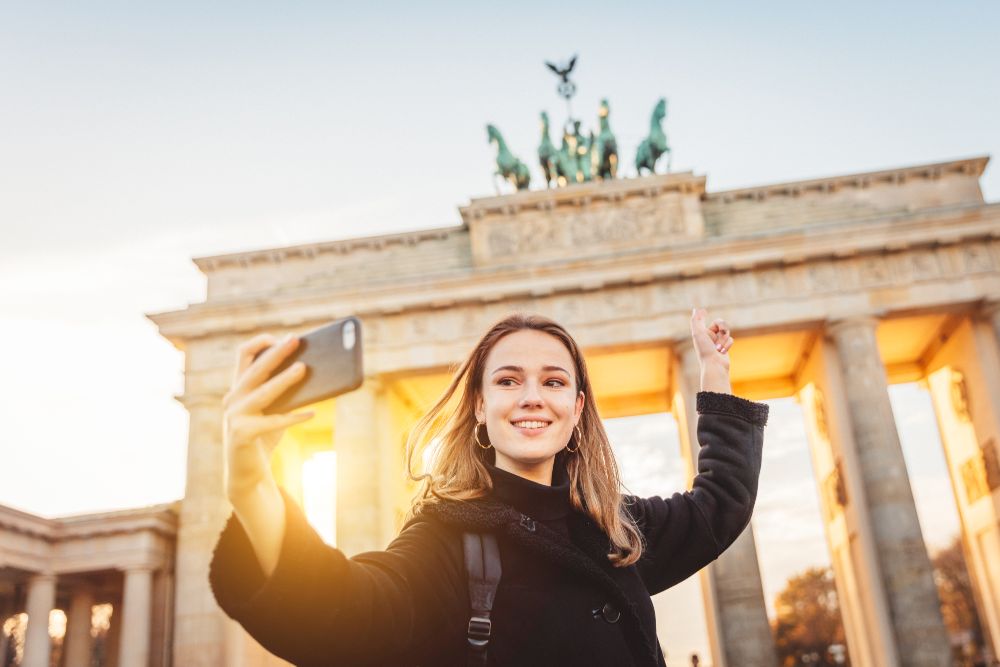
x=482 y=563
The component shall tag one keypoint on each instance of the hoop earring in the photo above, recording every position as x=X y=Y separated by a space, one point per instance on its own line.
x=475 y=435
x=579 y=439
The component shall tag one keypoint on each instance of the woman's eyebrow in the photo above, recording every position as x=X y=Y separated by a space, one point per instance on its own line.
x=518 y=369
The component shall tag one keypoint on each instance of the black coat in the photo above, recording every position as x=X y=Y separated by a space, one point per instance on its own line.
x=560 y=601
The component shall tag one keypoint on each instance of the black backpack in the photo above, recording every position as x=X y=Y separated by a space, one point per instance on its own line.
x=482 y=563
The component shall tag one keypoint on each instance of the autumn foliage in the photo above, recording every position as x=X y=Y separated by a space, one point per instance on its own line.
x=808 y=620
x=958 y=606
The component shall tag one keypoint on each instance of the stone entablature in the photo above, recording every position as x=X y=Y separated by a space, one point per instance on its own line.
x=973 y=167
x=833 y=264
x=389 y=258
x=103 y=541
x=854 y=197
x=655 y=214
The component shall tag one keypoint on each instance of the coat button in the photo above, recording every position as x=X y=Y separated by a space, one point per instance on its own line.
x=527 y=523
x=611 y=615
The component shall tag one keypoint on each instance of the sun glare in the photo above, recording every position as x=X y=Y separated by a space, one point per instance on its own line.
x=319 y=494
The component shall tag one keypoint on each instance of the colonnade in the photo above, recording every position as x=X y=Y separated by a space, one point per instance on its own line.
x=130 y=639
x=887 y=593
x=884 y=577
x=888 y=598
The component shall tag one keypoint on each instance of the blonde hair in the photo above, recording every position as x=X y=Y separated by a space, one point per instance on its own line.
x=458 y=471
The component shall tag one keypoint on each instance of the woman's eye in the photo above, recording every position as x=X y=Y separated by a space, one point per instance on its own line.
x=557 y=383
x=505 y=382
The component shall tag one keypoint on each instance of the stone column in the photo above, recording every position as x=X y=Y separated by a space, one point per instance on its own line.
x=963 y=378
x=163 y=614
x=864 y=608
x=356 y=441
x=41 y=600
x=199 y=624
x=137 y=603
x=740 y=632
x=78 y=644
x=991 y=313
x=112 y=641
x=6 y=610
x=904 y=564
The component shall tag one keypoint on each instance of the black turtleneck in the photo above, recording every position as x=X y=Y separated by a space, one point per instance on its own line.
x=549 y=505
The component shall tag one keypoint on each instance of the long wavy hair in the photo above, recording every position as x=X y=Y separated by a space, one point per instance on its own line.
x=457 y=470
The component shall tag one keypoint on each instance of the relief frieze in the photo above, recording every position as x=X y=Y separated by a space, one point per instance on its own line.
x=874 y=271
x=744 y=289
x=993 y=247
x=581 y=229
x=670 y=296
x=577 y=306
x=724 y=288
x=822 y=277
x=770 y=283
x=924 y=264
x=976 y=259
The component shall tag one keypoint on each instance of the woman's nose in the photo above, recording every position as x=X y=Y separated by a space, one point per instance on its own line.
x=531 y=396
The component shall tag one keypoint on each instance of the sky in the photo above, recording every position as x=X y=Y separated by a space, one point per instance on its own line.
x=136 y=136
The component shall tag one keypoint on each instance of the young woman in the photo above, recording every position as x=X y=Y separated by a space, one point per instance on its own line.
x=520 y=454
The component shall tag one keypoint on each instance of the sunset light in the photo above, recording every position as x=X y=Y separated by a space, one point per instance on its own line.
x=319 y=491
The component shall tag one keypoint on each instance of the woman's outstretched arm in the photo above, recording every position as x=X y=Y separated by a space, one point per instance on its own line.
x=689 y=530
x=320 y=608
x=303 y=600
x=249 y=438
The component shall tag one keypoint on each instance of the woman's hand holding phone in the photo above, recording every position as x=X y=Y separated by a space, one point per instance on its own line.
x=249 y=435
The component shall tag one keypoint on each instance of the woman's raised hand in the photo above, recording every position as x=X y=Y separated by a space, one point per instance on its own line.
x=712 y=343
x=248 y=435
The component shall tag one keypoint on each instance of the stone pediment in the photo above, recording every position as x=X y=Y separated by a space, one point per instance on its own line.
x=585 y=220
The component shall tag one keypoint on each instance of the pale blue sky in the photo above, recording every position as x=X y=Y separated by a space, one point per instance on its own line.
x=134 y=136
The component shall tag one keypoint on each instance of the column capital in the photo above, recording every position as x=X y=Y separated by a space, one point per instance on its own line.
x=836 y=327
x=990 y=309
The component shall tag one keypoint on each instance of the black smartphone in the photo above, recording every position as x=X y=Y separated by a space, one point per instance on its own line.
x=332 y=355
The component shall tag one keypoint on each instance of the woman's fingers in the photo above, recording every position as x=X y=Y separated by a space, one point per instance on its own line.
x=245 y=429
x=716 y=335
x=261 y=397
x=702 y=335
x=719 y=330
x=247 y=351
x=257 y=370
x=721 y=335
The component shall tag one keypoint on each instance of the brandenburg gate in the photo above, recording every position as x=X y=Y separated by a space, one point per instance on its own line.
x=837 y=287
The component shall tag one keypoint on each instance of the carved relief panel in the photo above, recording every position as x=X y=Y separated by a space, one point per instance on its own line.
x=575 y=224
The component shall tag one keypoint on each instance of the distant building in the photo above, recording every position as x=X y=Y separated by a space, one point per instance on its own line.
x=123 y=558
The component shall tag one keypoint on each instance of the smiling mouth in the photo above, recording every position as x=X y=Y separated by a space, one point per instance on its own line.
x=531 y=424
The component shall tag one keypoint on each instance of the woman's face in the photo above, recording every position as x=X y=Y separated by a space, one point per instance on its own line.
x=529 y=401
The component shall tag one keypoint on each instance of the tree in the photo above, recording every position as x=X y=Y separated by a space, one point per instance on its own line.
x=808 y=620
x=958 y=606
